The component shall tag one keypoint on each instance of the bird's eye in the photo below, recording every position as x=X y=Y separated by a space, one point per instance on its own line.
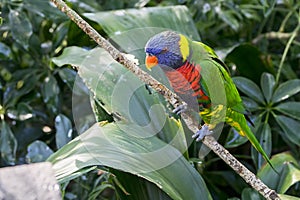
x=164 y=50
x=149 y=54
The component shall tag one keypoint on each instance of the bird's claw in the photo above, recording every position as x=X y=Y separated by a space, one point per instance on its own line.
x=180 y=109
x=200 y=134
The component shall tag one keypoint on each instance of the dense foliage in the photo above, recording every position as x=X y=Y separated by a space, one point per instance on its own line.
x=258 y=40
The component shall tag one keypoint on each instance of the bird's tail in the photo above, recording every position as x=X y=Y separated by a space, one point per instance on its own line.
x=238 y=122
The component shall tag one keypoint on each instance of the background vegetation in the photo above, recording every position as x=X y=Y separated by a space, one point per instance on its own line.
x=259 y=40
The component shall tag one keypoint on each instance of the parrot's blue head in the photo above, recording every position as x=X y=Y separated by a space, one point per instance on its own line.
x=167 y=49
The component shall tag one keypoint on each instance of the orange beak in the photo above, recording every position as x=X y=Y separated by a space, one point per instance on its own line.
x=151 y=61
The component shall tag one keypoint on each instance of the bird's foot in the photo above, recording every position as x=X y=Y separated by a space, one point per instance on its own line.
x=180 y=109
x=200 y=134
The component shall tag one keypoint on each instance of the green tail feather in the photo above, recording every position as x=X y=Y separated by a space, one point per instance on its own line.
x=238 y=121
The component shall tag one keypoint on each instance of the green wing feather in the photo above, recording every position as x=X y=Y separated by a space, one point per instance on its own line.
x=214 y=73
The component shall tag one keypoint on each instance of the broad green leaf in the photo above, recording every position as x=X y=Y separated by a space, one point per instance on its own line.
x=250 y=104
x=118 y=146
x=250 y=61
x=64 y=130
x=20 y=27
x=290 y=175
x=287 y=197
x=249 y=88
x=290 y=127
x=72 y=56
x=8 y=144
x=267 y=83
x=250 y=193
x=268 y=176
x=176 y=18
x=38 y=151
x=264 y=137
x=286 y=90
x=290 y=108
x=77 y=174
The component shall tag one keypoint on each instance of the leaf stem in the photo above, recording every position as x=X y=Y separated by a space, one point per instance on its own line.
x=286 y=49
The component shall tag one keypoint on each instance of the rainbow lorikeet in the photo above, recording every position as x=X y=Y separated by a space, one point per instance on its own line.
x=201 y=79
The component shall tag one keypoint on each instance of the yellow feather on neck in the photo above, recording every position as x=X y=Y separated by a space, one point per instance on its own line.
x=184 y=47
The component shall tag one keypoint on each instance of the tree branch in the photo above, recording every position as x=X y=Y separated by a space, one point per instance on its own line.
x=272 y=35
x=175 y=100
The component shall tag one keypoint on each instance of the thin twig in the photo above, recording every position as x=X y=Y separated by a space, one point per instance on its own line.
x=209 y=141
x=272 y=35
x=286 y=49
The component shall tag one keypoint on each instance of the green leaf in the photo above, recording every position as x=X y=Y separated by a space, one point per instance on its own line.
x=5 y=51
x=20 y=27
x=38 y=151
x=288 y=72
x=19 y=87
x=264 y=137
x=267 y=83
x=250 y=193
x=286 y=90
x=50 y=91
x=250 y=61
x=8 y=144
x=22 y=112
x=116 y=22
x=234 y=139
x=287 y=197
x=118 y=146
x=290 y=108
x=73 y=81
x=249 y=88
x=138 y=188
x=289 y=176
x=268 y=6
x=44 y=9
x=250 y=104
x=68 y=76
x=229 y=18
x=72 y=56
x=225 y=178
x=290 y=127
x=64 y=130
x=268 y=176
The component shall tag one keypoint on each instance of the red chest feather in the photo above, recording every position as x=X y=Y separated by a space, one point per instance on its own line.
x=187 y=80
